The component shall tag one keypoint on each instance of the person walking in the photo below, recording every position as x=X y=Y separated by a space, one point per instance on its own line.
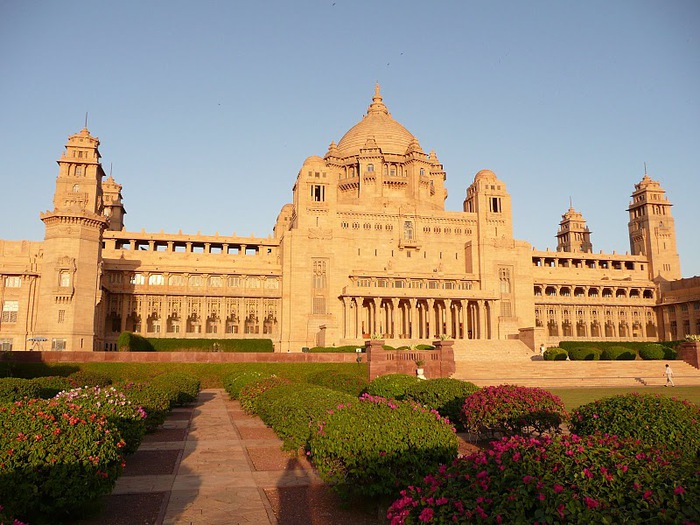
x=669 y=376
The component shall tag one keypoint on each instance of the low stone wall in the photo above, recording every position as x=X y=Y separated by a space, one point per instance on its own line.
x=179 y=357
x=438 y=363
x=689 y=352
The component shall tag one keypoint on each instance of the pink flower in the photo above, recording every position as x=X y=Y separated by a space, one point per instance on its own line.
x=558 y=488
x=426 y=515
x=591 y=503
x=679 y=490
x=647 y=494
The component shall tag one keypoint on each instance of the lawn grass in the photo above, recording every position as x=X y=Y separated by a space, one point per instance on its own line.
x=575 y=397
x=210 y=374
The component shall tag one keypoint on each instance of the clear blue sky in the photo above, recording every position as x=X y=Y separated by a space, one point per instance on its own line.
x=207 y=110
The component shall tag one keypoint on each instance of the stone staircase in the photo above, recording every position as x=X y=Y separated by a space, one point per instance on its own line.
x=498 y=362
x=492 y=350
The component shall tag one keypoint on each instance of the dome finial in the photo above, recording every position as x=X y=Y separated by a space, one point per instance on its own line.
x=377 y=105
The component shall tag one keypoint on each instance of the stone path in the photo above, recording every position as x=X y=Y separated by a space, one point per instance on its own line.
x=209 y=451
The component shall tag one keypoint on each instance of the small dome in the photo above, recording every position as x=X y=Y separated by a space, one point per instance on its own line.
x=379 y=126
x=485 y=175
x=314 y=159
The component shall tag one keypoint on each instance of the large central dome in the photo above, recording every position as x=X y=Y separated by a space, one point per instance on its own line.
x=377 y=124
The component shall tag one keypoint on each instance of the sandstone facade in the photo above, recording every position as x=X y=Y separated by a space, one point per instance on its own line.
x=365 y=248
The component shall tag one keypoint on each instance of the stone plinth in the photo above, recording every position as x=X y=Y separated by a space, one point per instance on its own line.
x=689 y=351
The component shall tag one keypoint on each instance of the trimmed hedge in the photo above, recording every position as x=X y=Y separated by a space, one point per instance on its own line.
x=584 y=353
x=351 y=349
x=652 y=351
x=374 y=445
x=89 y=378
x=130 y=342
x=251 y=392
x=655 y=419
x=51 y=385
x=391 y=385
x=291 y=410
x=618 y=353
x=155 y=401
x=446 y=395
x=555 y=354
x=632 y=345
x=340 y=381
x=16 y=389
x=233 y=383
x=185 y=386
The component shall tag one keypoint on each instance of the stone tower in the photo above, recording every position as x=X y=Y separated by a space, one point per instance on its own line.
x=652 y=230
x=71 y=273
x=113 y=207
x=573 y=234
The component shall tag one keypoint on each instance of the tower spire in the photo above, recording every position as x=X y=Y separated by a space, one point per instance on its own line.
x=86 y=120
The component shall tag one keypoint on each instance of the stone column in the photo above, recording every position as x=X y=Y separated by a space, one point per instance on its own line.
x=394 y=306
x=413 y=326
x=376 y=307
x=430 y=317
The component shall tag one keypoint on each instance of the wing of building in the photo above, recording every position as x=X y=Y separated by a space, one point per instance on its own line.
x=366 y=248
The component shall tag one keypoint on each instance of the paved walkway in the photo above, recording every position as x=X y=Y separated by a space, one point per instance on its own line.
x=212 y=480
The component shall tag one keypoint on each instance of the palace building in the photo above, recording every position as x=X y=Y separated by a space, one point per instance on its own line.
x=365 y=248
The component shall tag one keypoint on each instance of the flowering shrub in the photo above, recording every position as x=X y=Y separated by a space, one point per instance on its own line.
x=374 y=446
x=568 y=479
x=16 y=389
x=652 y=351
x=291 y=410
x=233 y=383
x=444 y=394
x=391 y=385
x=336 y=380
x=55 y=456
x=249 y=393
x=655 y=419
x=510 y=409
x=555 y=354
x=618 y=353
x=127 y=417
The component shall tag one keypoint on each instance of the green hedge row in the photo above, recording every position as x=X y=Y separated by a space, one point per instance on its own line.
x=609 y=351
x=291 y=410
x=130 y=342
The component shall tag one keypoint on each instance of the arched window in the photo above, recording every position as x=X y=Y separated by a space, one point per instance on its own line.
x=370 y=167
x=76 y=188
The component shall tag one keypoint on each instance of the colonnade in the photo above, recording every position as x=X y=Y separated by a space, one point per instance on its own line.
x=413 y=318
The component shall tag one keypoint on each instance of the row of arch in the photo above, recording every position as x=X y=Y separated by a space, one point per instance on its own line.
x=593 y=292
x=194 y=323
x=409 y=318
